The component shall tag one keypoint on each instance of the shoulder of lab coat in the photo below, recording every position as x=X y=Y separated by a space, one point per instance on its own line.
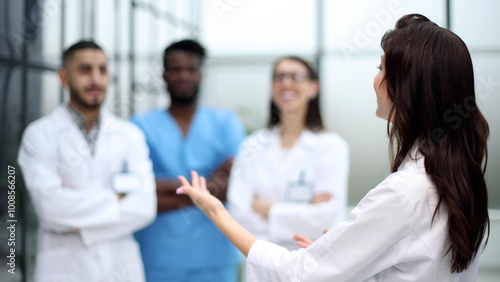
x=391 y=233
x=256 y=141
x=59 y=208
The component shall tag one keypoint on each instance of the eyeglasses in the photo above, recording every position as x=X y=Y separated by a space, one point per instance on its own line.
x=294 y=76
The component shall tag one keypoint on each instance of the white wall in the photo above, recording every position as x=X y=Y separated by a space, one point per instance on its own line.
x=243 y=27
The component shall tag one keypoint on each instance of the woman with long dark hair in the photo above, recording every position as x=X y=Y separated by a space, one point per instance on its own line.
x=294 y=169
x=428 y=219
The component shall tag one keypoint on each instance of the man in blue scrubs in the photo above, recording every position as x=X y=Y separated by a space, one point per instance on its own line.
x=182 y=244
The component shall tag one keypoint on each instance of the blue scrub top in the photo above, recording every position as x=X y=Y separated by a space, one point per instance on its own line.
x=186 y=238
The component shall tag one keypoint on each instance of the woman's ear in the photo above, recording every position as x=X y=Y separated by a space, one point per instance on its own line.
x=313 y=92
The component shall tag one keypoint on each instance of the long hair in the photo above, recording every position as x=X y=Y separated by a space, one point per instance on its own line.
x=430 y=80
x=313 y=116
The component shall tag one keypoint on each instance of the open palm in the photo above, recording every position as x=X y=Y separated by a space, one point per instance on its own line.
x=199 y=193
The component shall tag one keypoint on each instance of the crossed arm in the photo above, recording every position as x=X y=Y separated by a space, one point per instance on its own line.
x=217 y=185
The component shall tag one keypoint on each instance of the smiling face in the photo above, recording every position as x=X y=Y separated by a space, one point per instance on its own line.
x=86 y=76
x=384 y=103
x=292 y=87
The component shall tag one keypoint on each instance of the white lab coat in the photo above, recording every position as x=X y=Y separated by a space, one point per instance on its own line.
x=85 y=233
x=263 y=168
x=389 y=236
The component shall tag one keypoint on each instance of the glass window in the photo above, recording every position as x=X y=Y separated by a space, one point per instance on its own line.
x=11 y=106
x=144 y=31
x=45 y=43
x=12 y=28
x=49 y=89
x=74 y=25
x=105 y=28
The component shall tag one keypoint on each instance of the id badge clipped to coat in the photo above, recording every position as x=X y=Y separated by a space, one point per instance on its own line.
x=126 y=182
x=299 y=191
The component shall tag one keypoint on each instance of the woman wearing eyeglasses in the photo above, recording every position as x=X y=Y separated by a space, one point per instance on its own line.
x=290 y=177
x=428 y=220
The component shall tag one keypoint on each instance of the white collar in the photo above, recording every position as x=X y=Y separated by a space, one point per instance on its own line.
x=306 y=139
x=63 y=120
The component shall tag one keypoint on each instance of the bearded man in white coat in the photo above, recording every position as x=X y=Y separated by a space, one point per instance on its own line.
x=90 y=179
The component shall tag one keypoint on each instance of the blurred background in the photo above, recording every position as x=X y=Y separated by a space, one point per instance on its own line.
x=243 y=38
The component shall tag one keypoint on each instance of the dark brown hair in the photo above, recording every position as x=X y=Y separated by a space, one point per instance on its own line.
x=428 y=71
x=313 y=116
x=80 y=45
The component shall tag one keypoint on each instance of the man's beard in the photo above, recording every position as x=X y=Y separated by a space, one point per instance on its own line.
x=75 y=96
x=182 y=100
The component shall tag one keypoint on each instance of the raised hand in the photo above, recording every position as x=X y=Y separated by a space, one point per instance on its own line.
x=215 y=210
x=199 y=194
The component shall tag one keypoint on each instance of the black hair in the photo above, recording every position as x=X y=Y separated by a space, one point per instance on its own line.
x=186 y=45
x=82 y=44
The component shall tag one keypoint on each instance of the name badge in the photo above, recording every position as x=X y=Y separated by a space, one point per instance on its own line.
x=127 y=182
x=300 y=191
